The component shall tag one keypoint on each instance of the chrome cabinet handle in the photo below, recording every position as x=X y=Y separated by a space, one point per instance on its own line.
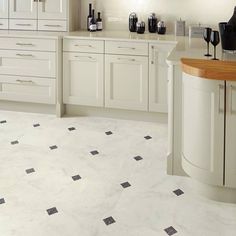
x=230 y=99
x=152 y=53
x=83 y=45
x=88 y=57
x=125 y=59
x=53 y=25
x=24 y=81
x=24 y=55
x=24 y=44
x=21 y=24
x=126 y=48
x=220 y=86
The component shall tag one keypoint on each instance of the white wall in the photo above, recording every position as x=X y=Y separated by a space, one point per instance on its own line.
x=115 y=12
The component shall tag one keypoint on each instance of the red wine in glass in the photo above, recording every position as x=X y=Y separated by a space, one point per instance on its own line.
x=207 y=38
x=215 y=39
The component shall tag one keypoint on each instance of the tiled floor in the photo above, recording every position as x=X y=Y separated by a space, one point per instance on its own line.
x=84 y=176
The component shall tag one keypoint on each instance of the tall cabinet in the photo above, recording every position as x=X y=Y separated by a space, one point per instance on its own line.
x=4 y=14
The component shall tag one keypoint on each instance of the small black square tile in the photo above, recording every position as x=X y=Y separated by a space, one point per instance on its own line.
x=95 y=152
x=3 y=121
x=178 y=192
x=36 y=125
x=170 y=230
x=148 y=137
x=53 y=147
x=138 y=158
x=71 y=128
x=29 y=171
x=2 y=201
x=109 y=220
x=125 y=184
x=14 y=142
x=108 y=133
x=76 y=177
x=52 y=211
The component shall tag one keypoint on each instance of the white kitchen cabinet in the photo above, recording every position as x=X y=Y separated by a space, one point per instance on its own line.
x=203 y=129
x=230 y=135
x=83 y=82
x=158 y=74
x=52 y=10
x=23 y=9
x=3 y=9
x=126 y=82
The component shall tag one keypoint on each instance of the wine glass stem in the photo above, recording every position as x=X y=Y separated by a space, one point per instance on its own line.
x=214 y=52
x=208 y=48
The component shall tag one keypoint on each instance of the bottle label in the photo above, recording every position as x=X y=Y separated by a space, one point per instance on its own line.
x=99 y=25
x=93 y=27
x=89 y=20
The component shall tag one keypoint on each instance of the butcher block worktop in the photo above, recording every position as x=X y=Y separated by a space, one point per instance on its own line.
x=210 y=69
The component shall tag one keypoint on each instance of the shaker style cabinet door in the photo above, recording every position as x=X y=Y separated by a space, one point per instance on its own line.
x=158 y=74
x=83 y=79
x=52 y=9
x=230 y=145
x=126 y=82
x=23 y=9
x=203 y=129
x=4 y=9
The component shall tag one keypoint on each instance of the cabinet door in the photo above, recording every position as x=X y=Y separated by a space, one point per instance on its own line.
x=4 y=9
x=23 y=9
x=158 y=74
x=52 y=9
x=230 y=145
x=126 y=82
x=203 y=129
x=83 y=79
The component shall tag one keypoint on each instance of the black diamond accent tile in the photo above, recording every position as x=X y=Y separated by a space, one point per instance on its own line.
x=29 y=171
x=71 y=128
x=3 y=121
x=95 y=152
x=36 y=125
x=14 y=142
x=108 y=133
x=125 y=184
x=109 y=220
x=138 y=158
x=76 y=177
x=2 y=201
x=178 y=192
x=170 y=231
x=52 y=211
x=148 y=137
x=53 y=147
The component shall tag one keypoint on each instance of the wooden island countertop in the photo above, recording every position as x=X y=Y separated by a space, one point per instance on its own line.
x=210 y=69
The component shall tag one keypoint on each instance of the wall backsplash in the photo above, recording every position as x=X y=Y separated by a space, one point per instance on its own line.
x=115 y=12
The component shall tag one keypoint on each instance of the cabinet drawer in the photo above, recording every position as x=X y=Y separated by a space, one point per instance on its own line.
x=82 y=45
x=27 y=63
x=22 y=24
x=3 y=23
x=27 y=44
x=27 y=89
x=126 y=48
x=52 y=25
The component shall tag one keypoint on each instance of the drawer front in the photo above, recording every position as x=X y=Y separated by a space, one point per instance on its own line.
x=27 y=89
x=52 y=25
x=3 y=23
x=82 y=45
x=27 y=63
x=22 y=24
x=27 y=44
x=126 y=48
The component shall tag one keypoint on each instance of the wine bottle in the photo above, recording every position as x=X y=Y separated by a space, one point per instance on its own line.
x=232 y=20
x=99 y=22
x=89 y=16
x=93 y=25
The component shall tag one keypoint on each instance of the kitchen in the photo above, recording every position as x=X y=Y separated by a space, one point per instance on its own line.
x=90 y=137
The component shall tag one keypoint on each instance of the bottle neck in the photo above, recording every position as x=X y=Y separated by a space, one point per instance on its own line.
x=90 y=9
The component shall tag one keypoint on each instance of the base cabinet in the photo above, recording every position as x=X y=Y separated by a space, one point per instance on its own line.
x=209 y=121
x=83 y=79
x=126 y=82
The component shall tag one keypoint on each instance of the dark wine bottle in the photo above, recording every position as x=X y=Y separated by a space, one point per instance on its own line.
x=93 y=25
x=232 y=20
x=99 y=22
x=89 y=16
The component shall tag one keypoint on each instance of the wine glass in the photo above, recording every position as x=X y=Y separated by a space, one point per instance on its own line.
x=207 y=38
x=215 y=39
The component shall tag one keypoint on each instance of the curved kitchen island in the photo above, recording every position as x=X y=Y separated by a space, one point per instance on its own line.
x=209 y=126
